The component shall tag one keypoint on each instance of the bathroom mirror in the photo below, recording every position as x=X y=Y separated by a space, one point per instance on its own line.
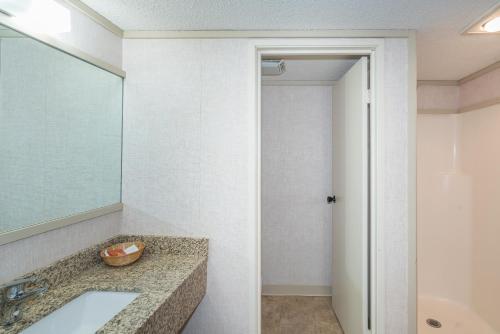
x=60 y=137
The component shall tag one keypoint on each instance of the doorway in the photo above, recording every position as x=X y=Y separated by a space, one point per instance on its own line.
x=372 y=50
x=308 y=257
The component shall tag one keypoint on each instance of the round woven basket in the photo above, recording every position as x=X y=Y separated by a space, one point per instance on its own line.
x=122 y=260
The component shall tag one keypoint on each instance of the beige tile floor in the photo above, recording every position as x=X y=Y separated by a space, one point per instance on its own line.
x=298 y=315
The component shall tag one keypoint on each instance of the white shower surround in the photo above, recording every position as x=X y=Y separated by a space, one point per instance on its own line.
x=444 y=207
x=456 y=219
x=458 y=191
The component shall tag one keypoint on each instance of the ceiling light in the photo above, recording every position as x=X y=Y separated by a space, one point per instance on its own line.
x=488 y=23
x=492 y=25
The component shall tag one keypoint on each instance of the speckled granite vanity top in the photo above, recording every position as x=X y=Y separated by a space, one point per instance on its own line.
x=170 y=277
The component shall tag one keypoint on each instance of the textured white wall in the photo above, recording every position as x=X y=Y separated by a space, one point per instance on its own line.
x=438 y=97
x=482 y=89
x=18 y=256
x=187 y=124
x=395 y=198
x=28 y=254
x=185 y=172
x=296 y=179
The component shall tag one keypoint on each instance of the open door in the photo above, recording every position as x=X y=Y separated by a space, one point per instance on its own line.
x=350 y=286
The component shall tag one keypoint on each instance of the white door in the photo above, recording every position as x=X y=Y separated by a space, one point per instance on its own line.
x=350 y=211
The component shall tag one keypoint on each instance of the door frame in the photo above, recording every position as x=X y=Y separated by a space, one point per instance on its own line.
x=374 y=49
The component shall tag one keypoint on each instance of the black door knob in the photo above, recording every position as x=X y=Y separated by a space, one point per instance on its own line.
x=331 y=199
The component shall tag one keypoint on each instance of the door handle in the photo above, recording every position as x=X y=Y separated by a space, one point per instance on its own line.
x=331 y=199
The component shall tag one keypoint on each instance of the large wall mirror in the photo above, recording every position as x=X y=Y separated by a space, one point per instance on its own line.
x=60 y=137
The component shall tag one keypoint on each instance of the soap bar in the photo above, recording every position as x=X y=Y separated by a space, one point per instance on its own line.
x=131 y=249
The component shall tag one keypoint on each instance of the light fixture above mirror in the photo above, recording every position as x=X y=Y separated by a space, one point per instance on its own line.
x=41 y=16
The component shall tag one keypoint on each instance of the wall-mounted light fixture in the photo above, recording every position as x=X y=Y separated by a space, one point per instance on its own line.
x=41 y=16
x=489 y=23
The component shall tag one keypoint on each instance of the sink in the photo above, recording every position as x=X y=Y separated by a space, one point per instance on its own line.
x=84 y=314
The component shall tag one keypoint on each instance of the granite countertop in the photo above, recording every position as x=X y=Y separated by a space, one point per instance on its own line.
x=170 y=277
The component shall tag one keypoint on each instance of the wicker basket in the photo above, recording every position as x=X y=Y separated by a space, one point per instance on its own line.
x=122 y=260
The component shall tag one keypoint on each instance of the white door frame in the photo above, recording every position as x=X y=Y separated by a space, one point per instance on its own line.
x=374 y=48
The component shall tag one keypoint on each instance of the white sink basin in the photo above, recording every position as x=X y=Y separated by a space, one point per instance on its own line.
x=83 y=315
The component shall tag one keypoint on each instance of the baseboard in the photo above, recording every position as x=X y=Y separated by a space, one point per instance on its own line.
x=296 y=290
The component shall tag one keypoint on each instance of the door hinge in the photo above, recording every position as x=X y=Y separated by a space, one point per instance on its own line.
x=368 y=96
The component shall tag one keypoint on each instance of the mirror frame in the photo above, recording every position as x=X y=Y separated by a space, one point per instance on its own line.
x=42 y=227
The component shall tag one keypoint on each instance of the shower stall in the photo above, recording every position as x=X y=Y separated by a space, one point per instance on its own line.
x=458 y=207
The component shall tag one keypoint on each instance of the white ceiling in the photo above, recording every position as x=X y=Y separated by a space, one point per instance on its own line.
x=443 y=53
x=313 y=69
